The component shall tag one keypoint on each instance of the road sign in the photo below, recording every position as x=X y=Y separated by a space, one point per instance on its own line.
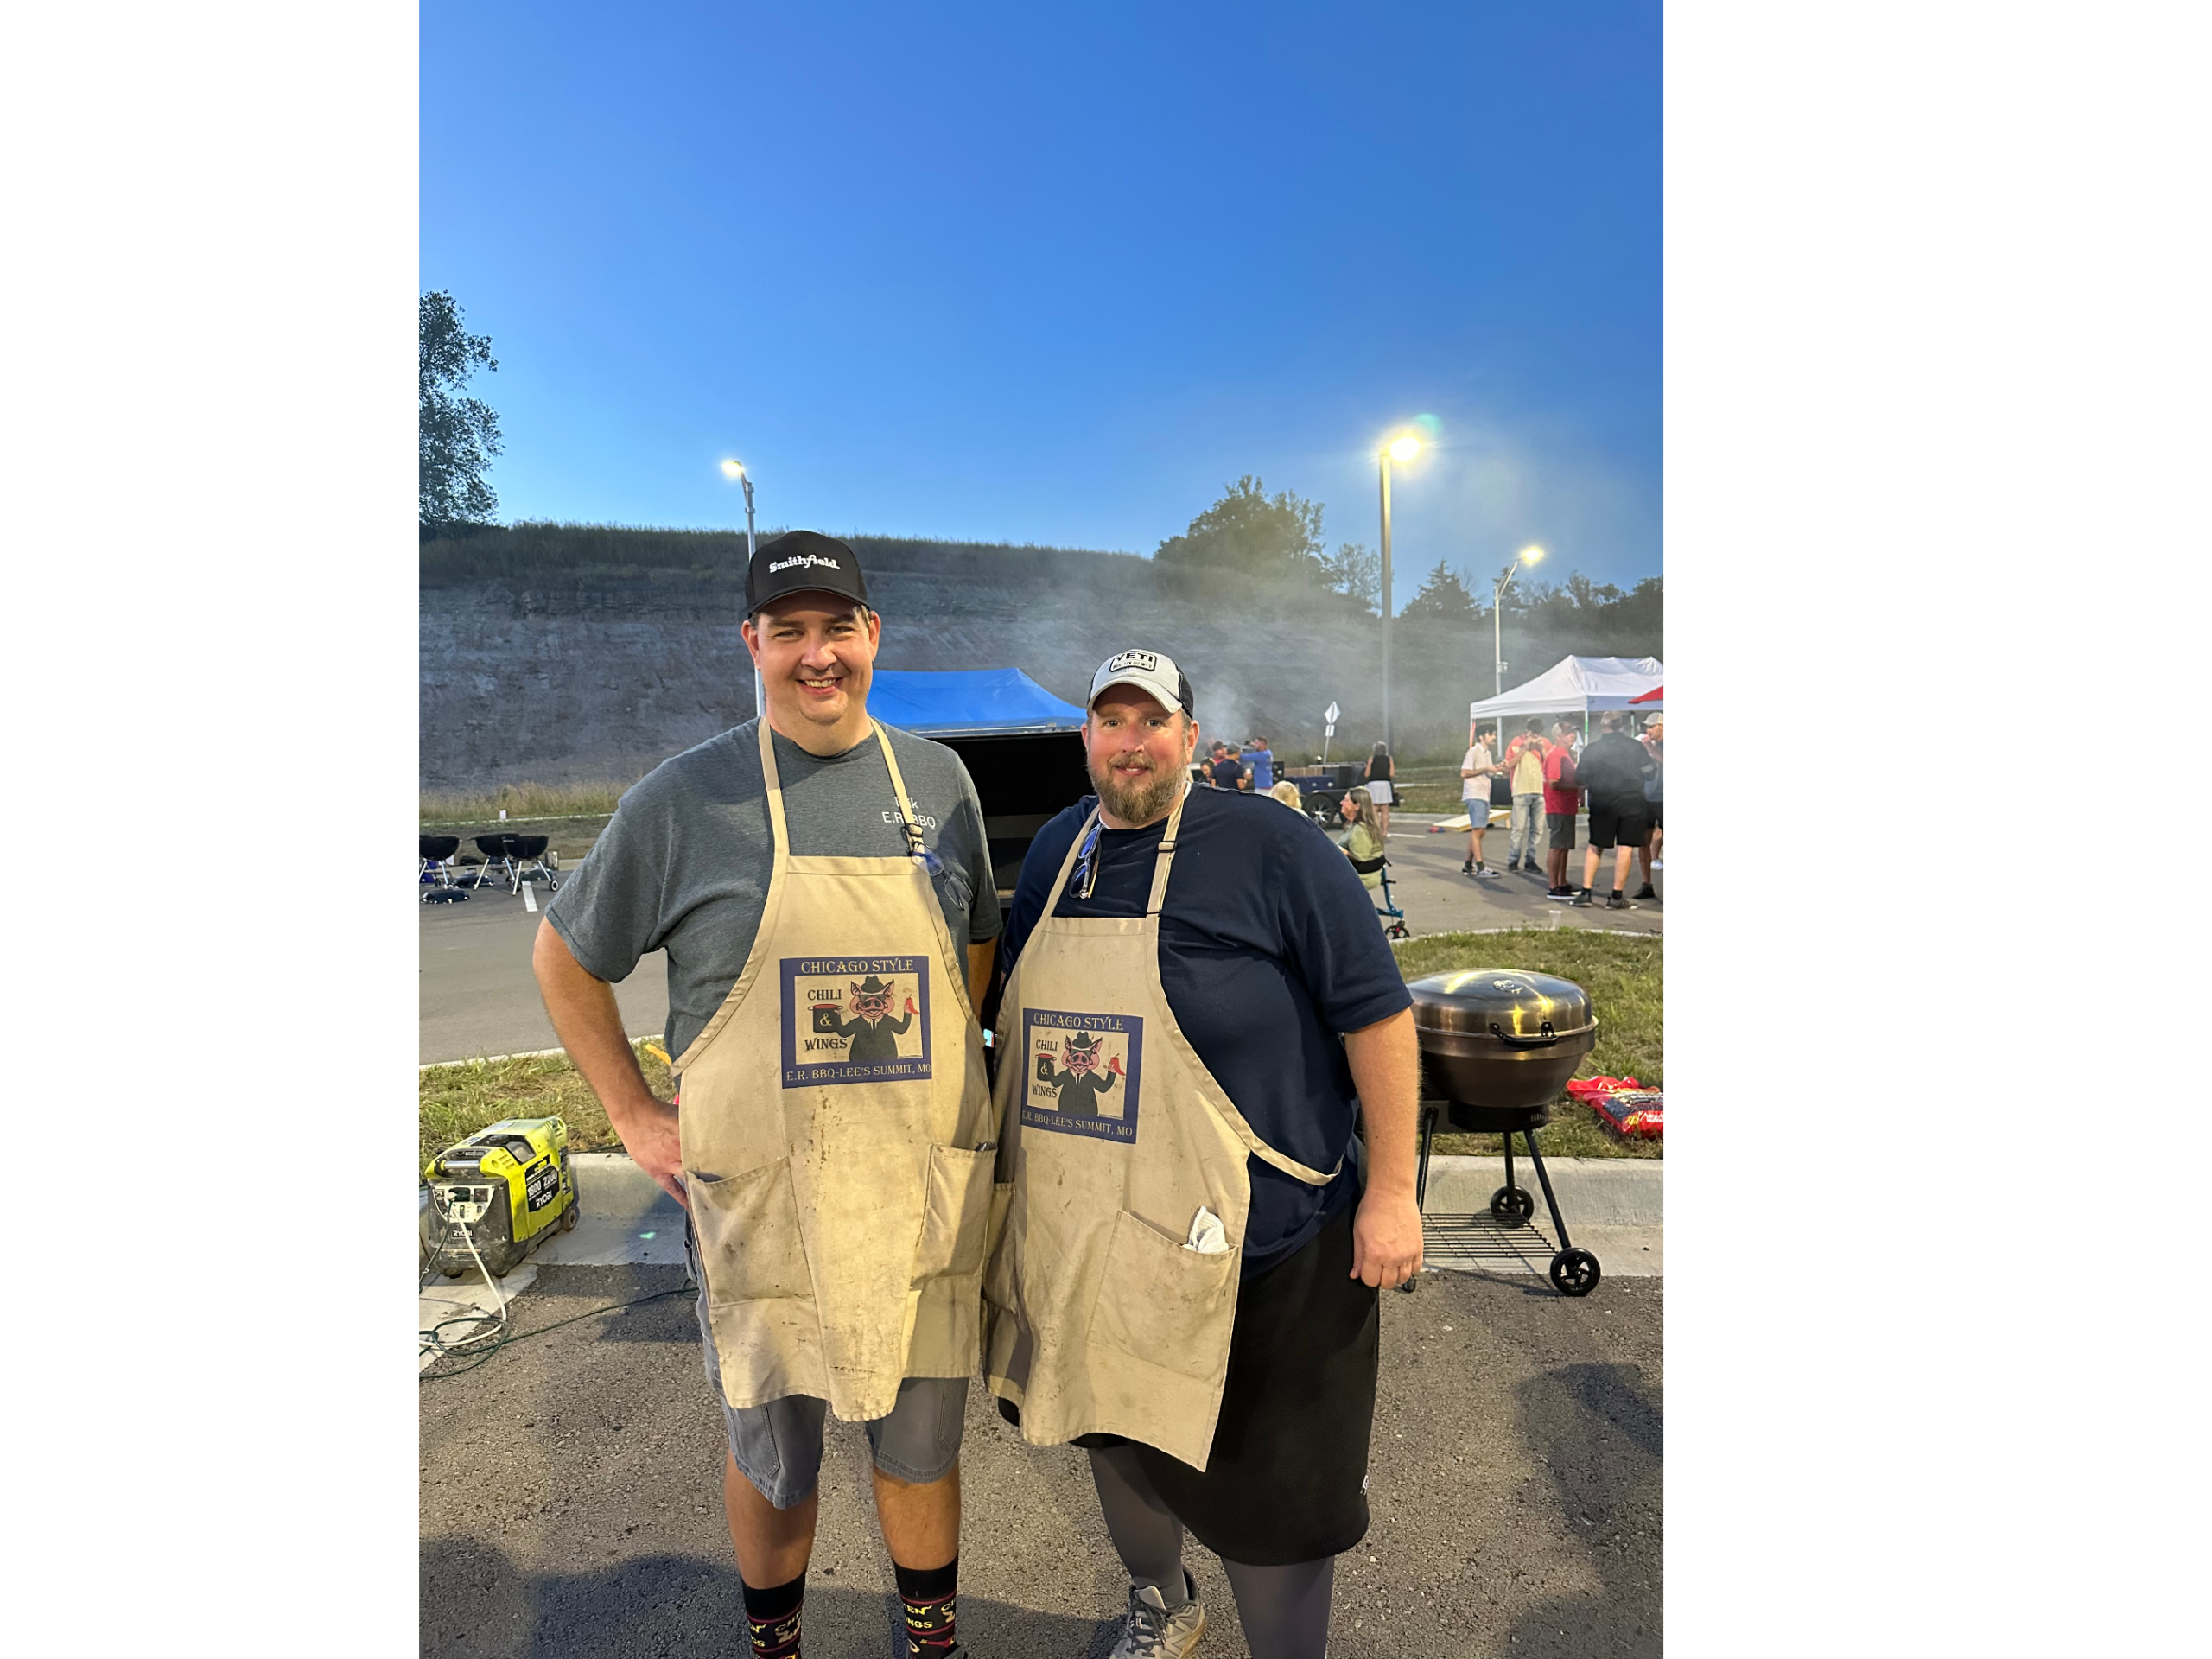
x=1331 y=713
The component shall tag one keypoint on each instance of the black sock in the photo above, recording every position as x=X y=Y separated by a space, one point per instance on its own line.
x=1617 y=892
x=930 y=1603
x=772 y=1618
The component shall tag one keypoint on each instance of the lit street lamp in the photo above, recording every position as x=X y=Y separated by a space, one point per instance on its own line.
x=1400 y=449
x=736 y=470
x=1526 y=556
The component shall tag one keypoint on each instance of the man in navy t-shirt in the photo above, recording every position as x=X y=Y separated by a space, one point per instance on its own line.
x=1273 y=967
x=1268 y=949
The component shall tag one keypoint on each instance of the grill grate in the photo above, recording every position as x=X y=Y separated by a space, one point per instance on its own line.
x=1477 y=1241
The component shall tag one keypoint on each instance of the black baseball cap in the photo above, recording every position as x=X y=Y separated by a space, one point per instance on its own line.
x=803 y=560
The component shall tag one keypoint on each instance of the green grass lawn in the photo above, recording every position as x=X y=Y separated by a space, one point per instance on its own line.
x=456 y=1101
x=1621 y=974
x=1624 y=977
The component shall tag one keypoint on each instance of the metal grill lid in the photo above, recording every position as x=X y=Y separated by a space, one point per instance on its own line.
x=1519 y=1003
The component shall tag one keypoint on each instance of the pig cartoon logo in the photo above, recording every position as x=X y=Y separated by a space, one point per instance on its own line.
x=1079 y=1083
x=872 y=1033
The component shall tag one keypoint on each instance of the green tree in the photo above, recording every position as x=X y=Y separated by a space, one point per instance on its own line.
x=1248 y=532
x=1356 y=571
x=1443 y=596
x=457 y=435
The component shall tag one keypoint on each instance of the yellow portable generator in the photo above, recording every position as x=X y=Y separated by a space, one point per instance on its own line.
x=506 y=1189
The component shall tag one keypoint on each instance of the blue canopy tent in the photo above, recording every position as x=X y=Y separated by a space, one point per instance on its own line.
x=968 y=702
x=1019 y=743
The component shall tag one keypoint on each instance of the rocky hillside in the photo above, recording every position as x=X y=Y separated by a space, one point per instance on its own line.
x=566 y=656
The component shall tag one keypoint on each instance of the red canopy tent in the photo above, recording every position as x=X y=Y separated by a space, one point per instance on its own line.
x=1657 y=694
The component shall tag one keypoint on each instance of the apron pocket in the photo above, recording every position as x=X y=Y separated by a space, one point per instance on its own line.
x=955 y=1217
x=1167 y=1306
x=747 y=1227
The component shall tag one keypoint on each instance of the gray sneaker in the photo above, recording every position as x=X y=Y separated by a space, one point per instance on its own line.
x=1152 y=1632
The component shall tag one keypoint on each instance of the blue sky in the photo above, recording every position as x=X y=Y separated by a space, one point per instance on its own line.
x=1043 y=274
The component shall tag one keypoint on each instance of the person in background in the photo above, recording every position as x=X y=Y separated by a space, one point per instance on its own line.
x=1524 y=763
x=1287 y=793
x=1611 y=770
x=1475 y=771
x=1562 y=800
x=1655 y=744
x=1229 y=769
x=1363 y=845
x=1380 y=776
x=1261 y=760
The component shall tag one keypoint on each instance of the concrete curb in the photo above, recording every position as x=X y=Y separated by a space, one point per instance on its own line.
x=526 y=1054
x=1613 y=1206
x=1602 y=1192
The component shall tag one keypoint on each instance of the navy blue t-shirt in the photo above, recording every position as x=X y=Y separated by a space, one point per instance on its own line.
x=1269 y=949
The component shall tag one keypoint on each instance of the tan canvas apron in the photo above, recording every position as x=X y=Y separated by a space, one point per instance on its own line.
x=838 y=1166
x=1097 y=1319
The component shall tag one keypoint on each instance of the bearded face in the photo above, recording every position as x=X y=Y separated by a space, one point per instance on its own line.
x=872 y=1005
x=1137 y=766
x=1079 y=1060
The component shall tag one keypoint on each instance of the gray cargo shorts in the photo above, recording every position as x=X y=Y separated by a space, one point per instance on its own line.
x=778 y=1447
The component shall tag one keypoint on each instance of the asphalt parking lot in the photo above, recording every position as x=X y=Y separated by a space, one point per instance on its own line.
x=477 y=997
x=571 y=1502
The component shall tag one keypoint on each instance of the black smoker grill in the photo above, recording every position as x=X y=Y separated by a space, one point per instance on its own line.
x=1497 y=1046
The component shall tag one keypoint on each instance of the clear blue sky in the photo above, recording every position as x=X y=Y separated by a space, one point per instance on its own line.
x=1015 y=273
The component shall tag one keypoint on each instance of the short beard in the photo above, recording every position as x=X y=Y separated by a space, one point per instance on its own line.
x=1140 y=802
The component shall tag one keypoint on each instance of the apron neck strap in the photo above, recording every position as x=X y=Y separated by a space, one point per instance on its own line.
x=776 y=789
x=782 y=832
x=898 y=788
x=1165 y=858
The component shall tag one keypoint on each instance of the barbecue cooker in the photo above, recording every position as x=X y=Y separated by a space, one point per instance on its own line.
x=1497 y=1046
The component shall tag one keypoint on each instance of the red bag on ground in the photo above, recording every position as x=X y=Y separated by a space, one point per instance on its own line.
x=1625 y=1105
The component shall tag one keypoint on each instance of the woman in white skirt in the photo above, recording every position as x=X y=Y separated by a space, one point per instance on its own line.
x=1379 y=773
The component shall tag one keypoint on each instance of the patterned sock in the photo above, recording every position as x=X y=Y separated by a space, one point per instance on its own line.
x=772 y=1618
x=931 y=1602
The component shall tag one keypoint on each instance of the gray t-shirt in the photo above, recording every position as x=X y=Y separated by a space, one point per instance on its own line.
x=684 y=864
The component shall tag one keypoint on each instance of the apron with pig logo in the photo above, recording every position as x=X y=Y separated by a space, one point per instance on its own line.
x=837 y=1135
x=1099 y=1315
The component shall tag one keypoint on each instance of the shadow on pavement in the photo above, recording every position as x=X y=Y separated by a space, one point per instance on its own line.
x=476 y=1603
x=1599 y=1430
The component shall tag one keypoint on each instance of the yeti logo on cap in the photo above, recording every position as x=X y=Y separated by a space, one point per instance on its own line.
x=1147 y=660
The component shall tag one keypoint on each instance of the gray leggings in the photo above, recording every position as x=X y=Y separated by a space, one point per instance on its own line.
x=1284 y=1609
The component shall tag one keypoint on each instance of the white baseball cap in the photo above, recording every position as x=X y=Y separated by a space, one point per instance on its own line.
x=1150 y=672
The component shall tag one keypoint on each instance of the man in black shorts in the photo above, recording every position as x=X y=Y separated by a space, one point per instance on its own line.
x=1613 y=770
x=1235 y=1400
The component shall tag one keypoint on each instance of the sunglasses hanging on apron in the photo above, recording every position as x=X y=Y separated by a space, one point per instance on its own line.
x=1111 y=1293
x=837 y=1135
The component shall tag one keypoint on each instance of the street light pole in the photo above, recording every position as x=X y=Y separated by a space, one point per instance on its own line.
x=1386 y=601
x=736 y=470
x=1404 y=447
x=1526 y=556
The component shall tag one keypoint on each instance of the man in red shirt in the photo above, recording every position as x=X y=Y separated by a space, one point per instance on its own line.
x=1562 y=800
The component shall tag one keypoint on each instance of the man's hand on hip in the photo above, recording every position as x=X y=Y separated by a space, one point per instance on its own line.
x=651 y=1137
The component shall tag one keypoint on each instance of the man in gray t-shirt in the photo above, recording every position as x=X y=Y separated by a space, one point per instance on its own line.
x=688 y=866
x=684 y=865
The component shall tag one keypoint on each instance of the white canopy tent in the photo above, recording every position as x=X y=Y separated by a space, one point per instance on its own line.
x=1580 y=685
